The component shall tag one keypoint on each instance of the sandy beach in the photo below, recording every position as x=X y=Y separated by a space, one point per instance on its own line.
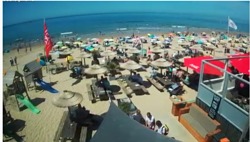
x=42 y=127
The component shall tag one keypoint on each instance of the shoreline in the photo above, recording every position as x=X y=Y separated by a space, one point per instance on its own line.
x=109 y=34
x=116 y=33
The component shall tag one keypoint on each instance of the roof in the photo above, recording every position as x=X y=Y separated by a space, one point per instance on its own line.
x=9 y=77
x=118 y=127
x=32 y=66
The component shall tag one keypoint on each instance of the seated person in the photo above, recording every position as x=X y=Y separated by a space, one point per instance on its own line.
x=186 y=80
x=116 y=61
x=156 y=56
x=95 y=62
x=105 y=83
x=139 y=79
x=153 y=72
x=133 y=77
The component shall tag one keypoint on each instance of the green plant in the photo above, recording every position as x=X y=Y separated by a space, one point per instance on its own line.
x=125 y=107
x=112 y=66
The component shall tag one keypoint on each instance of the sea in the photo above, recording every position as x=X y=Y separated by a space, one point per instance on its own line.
x=122 y=23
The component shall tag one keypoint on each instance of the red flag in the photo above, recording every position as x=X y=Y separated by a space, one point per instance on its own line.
x=47 y=40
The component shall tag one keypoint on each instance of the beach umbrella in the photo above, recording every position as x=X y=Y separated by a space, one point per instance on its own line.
x=84 y=45
x=84 y=55
x=196 y=47
x=59 y=43
x=130 y=65
x=95 y=70
x=157 y=50
x=94 y=39
x=95 y=45
x=185 y=43
x=133 y=51
x=67 y=99
x=182 y=59
x=67 y=42
x=55 y=46
x=77 y=43
x=108 y=53
x=63 y=47
x=160 y=63
x=78 y=38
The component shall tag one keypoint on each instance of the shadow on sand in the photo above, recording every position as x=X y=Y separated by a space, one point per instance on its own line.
x=35 y=102
x=10 y=130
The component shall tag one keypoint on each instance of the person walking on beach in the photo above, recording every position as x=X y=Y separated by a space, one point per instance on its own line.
x=30 y=46
x=15 y=60
x=138 y=117
x=162 y=129
x=11 y=61
x=150 y=121
x=18 y=50
x=26 y=49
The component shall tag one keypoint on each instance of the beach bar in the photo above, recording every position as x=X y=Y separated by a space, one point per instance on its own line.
x=226 y=99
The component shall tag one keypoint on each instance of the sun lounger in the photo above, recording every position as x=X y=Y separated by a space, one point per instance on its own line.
x=60 y=127
x=155 y=83
x=144 y=89
x=90 y=93
x=83 y=134
x=128 y=91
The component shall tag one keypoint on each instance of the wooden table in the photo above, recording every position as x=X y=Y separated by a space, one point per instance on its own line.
x=164 y=82
x=177 y=104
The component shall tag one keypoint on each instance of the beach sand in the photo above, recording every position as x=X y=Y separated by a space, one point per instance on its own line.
x=42 y=127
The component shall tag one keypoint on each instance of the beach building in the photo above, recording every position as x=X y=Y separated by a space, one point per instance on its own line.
x=32 y=70
x=225 y=99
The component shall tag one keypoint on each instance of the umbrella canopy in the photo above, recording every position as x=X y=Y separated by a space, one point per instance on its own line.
x=125 y=47
x=184 y=43
x=63 y=47
x=77 y=43
x=130 y=65
x=84 y=55
x=108 y=53
x=67 y=42
x=95 y=69
x=195 y=64
x=133 y=51
x=157 y=50
x=182 y=59
x=59 y=43
x=196 y=46
x=210 y=46
x=67 y=98
x=242 y=64
x=65 y=53
x=160 y=63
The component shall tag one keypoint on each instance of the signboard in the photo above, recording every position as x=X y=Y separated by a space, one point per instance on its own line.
x=214 y=106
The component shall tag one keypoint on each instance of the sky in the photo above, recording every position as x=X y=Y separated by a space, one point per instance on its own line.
x=17 y=12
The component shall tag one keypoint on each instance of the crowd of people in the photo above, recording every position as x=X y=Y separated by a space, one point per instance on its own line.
x=150 y=123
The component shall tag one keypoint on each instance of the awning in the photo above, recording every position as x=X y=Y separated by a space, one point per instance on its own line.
x=242 y=64
x=118 y=127
x=195 y=64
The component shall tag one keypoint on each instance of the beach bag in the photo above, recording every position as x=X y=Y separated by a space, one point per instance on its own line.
x=166 y=129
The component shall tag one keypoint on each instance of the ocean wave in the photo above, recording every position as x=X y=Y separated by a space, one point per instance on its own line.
x=121 y=29
x=178 y=26
x=148 y=28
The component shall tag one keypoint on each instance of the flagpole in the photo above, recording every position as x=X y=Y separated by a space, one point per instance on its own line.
x=228 y=25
